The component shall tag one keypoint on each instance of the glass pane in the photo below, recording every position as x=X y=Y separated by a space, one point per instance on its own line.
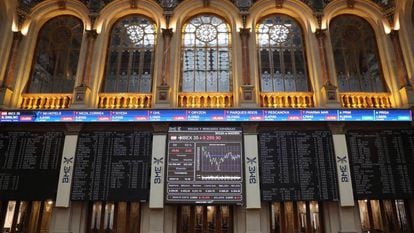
x=208 y=68
x=314 y=210
x=356 y=55
x=211 y=219
x=56 y=56
x=364 y=215
x=276 y=216
x=133 y=38
x=286 y=64
x=302 y=216
x=109 y=216
x=402 y=217
x=96 y=216
x=199 y=219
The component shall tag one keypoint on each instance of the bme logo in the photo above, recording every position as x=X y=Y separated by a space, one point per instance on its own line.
x=158 y=170
x=343 y=168
x=252 y=170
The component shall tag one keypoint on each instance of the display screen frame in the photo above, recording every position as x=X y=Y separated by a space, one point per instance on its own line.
x=234 y=128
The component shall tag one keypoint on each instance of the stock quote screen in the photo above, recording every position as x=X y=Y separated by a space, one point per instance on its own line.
x=205 y=165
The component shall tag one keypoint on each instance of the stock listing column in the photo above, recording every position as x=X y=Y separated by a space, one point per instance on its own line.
x=251 y=161
x=346 y=207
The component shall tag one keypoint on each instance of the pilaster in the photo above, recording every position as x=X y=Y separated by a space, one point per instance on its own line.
x=163 y=90
x=82 y=91
x=247 y=89
x=329 y=91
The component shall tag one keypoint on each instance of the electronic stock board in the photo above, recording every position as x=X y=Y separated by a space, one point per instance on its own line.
x=206 y=115
x=382 y=163
x=29 y=164
x=204 y=165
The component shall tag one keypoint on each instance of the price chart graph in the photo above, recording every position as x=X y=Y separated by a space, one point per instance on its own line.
x=220 y=157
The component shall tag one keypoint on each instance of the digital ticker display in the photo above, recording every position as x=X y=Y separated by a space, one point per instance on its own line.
x=205 y=165
x=205 y=115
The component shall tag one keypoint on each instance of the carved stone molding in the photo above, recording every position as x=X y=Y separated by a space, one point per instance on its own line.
x=62 y=4
x=350 y=3
x=279 y=3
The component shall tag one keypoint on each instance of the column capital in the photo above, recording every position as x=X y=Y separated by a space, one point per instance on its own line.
x=91 y=34
x=18 y=36
x=249 y=128
x=320 y=33
x=73 y=129
x=337 y=127
x=279 y=3
x=167 y=32
x=245 y=32
x=161 y=128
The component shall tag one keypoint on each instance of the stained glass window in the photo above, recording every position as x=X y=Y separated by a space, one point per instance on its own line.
x=56 y=56
x=129 y=66
x=206 y=55
x=356 y=55
x=282 y=63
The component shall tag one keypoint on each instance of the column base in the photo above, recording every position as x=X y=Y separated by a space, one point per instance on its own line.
x=81 y=97
x=407 y=96
x=5 y=97
x=253 y=221
x=247 y=96
x=163 y=96
x=330 y=92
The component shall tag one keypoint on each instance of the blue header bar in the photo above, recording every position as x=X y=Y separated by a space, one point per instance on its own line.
x=206 y=115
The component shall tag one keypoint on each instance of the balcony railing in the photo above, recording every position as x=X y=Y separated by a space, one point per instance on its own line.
x=365 y=100
x=205 y=100
x=286 y=99
x=124 y=100
x=46 y=101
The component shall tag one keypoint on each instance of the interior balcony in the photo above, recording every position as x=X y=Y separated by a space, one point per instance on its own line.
x=365 y=99
x=46 y=100
x=124 y=100
x=287 y=100
x=205 y=100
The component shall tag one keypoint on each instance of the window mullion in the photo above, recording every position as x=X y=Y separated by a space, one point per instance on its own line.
x=141 y=66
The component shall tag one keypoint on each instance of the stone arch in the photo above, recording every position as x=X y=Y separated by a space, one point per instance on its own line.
x=304 y=16
x=404 y=18
x=190 y=8
x=7 y=14
x=110 y=14
x=31 y=27
x=370 y=12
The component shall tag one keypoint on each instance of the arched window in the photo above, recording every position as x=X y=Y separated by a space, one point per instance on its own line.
x=356 y=55
x=281 y=51
x=56 y=56
x=206 y=55
x=129 y=66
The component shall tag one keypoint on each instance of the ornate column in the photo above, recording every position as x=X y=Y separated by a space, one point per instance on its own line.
x=329 y=90
x=406 y=89
x=163 y=88
x=5 y=84
x=246 y=87
x=346 y=207
x=252 y=180
x=82 y=89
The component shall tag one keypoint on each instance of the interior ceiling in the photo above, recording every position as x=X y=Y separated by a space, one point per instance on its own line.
x=96 y=5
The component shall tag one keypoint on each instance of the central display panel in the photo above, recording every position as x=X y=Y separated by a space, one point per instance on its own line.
x=205 y=165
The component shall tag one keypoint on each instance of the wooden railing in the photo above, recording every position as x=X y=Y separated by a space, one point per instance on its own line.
x=124 y=100
x=205 y=100
x=286 y=99
x=46 y=101
x=365 y=100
